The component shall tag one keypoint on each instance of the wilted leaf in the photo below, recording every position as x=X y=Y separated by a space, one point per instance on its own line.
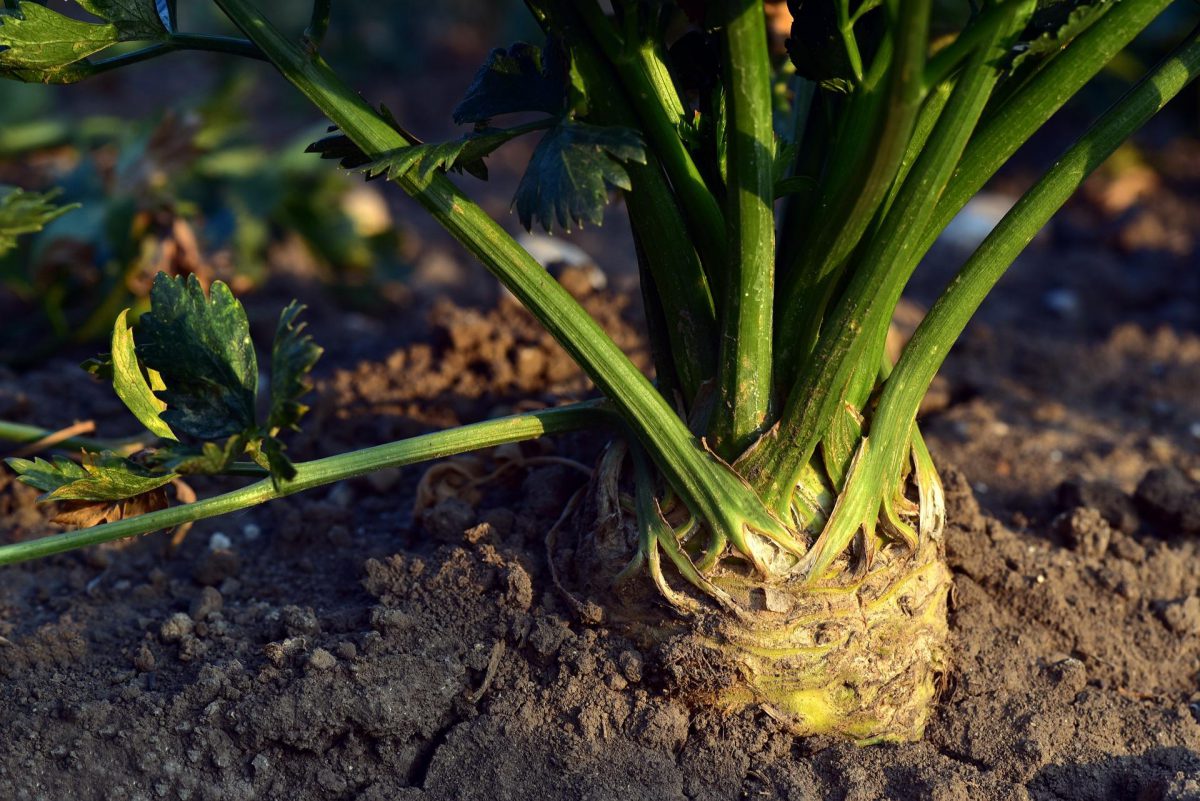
x=201 y=347
x=521 y=78
x=134 y=387
x=83 y=514
x=571 y=171
x=24 y=212
x=102 y=477
x=292 y=358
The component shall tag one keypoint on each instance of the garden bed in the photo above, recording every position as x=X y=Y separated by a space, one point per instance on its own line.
x=331 y=646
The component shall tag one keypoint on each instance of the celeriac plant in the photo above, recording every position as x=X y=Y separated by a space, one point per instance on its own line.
x=775 y=462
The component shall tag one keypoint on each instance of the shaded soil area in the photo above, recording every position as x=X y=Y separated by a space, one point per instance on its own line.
x=335 y=646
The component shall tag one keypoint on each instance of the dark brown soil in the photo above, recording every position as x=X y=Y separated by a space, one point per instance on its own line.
x=329 y=646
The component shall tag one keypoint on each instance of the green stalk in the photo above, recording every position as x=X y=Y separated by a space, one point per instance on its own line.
x=174 y=43
x=977 y=32
x=867 y=152
x=1010 y=126
x=745 y=376
x=657 y=106
x=323 y=471
x=710 y=487
x=860 y=319
x=669 y=252
x=883 y=453
x=318 y=23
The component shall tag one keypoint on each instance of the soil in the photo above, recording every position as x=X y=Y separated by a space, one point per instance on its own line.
x=335 y=646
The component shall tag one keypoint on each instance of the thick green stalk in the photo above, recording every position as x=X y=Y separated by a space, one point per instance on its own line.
x=925 y=352
x=867 y=152
x=657 y=106
x=668 y=252
x=713 y=491
x=861 y=316
x=1010 y=126
x=323 y=471
x=745 y=364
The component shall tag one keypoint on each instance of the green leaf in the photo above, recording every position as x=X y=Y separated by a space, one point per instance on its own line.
x=458 y=155
x=278 y=463
x=99 y=366
x=816 y=45
x=38 y=39
x=571 y=171
x=209 y=458
x=105 y=477
x=43 y=45
x=24 y=212
x=292 y=358
x=134 y=19
x=201 y=347
x=1053 y=25
x=132 y=386
x=521 y=78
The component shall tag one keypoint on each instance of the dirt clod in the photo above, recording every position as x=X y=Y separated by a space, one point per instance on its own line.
x=1182 y=617
x=321 y=660
x=1085 y=530
x=449 y=520
x=1167 y=497
x=1108 y=499
x=176 y=628
x=206 y=603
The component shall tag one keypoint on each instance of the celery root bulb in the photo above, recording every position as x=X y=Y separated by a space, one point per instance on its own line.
x=859 y=654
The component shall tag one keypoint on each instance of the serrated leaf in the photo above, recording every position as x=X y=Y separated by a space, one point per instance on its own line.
x=571 y=171
x=201 y=347
x=1053 y=25
x=99 y=366
x=133 y=387
x=278 y=463
x=208 y=458
x=457 y=155
x=102 y=477
x=292 y=358
x=519 y=79
x=816 y=45
x=134 y=19
x=24 y=212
